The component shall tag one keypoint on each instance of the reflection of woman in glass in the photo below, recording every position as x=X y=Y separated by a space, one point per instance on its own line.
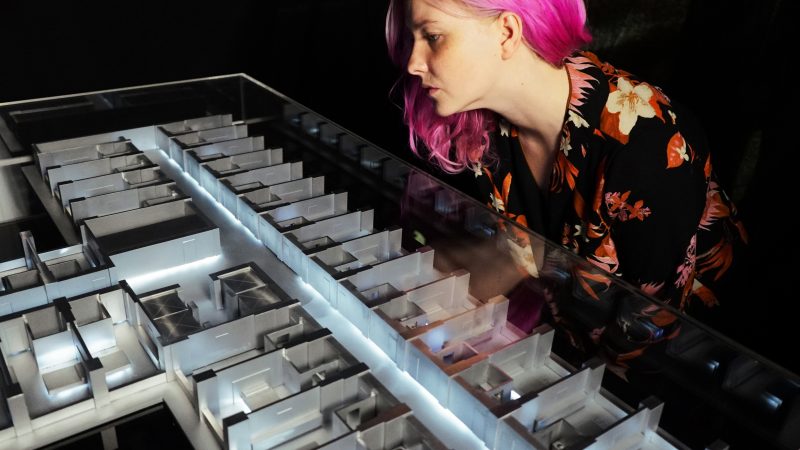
x=569 y=146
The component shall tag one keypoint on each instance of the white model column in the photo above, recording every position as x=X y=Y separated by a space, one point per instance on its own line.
x=206 y=393
x=97 y=381
x=20 y=416
x=109 y=436
x=237 y=432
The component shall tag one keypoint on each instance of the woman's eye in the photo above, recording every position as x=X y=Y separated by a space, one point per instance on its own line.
x=432 y=38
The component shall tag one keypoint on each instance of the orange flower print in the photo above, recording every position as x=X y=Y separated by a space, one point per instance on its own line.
x=605 y=256
x=676 y=151
x=715 y=208
x=607 y=68
x=498 y=199
x=662 y=317
x=719 y=257
x=618 y=208
x=587 y=279
x=630 y=102
x=563 y=172
x=522 y=220
x=704 y=294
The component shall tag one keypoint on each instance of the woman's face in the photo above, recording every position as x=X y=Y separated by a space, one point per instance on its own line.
x=455 y=54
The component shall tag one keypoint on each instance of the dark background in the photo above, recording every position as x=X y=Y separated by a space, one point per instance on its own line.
x=727 y=61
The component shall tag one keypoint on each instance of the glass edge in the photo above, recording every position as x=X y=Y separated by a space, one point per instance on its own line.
x=122 y=89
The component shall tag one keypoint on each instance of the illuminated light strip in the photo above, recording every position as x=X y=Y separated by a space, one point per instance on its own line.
x=57 y=357
x=118 y=375
x=70 y=391
x=152 y=276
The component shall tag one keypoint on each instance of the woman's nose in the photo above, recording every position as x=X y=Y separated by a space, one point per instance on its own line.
x=416 y=62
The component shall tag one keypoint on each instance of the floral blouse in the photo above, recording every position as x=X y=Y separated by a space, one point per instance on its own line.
x=632 y=190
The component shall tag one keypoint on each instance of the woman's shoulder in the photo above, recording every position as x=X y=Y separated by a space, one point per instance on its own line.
x=588 y=86
x=618 y=102
x=588 y=62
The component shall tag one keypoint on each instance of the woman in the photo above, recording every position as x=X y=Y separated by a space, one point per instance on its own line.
x=567 y=145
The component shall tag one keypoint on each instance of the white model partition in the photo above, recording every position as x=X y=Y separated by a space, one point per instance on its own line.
x=104 y=184
x=282 y=379
x=639 y=429
x=250 y=204
x=69 y=272
x=153 y=238
x=168 y=130
x=114 y=202
x=195 y=154
x=481 y=394
x=274 y=221
x=178 y=144
x=212 y=171
x=60 y=153
x=356 y=295
x=418 y=310
x=572 y=411
x=297 y=244
x=437 y=355
x=95 y=168
x=332 y=265
x=231 y=187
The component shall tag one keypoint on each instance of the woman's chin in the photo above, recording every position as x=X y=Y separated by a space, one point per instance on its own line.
x=443 y=111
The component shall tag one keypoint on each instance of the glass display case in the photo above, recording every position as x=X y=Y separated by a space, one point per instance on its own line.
x=284 y=283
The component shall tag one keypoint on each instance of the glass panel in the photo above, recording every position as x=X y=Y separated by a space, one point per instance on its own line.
x=712 y=387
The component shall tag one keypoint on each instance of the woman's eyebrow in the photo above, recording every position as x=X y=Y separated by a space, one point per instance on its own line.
x=417 y=25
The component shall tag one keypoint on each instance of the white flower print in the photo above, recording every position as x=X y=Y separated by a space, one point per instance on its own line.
x=682 y=152
x=477 y=169
x=565 y=145
x=504 y=127
x=497 y=203
x=577 y=120
x=580 y=232
x=631 y=103
x=674 y=117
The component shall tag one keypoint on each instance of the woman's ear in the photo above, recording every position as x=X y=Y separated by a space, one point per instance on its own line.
x=510 y=26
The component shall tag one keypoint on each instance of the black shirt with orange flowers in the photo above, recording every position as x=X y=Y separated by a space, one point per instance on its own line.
x=632 y=189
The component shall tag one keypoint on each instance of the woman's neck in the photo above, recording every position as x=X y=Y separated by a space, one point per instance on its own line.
x=533 y=95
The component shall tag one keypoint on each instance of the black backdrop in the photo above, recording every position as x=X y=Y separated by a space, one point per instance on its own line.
x=728 y=61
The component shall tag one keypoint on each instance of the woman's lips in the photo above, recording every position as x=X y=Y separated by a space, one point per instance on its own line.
x=432 y=90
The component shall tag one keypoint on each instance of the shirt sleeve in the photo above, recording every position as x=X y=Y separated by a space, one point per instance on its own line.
x=651 y=196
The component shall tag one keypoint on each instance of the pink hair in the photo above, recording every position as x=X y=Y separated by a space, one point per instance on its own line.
x=552 y=28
